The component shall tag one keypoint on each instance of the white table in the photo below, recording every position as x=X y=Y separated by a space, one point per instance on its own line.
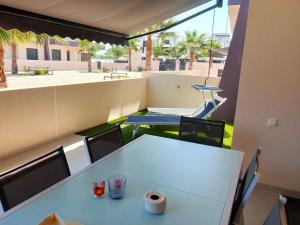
x=198 y=180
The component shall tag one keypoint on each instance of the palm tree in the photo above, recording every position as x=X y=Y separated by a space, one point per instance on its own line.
x=132 y=46
x=18 y=36
x=193 y=43
x=5 y=38
x=149 y=41
x=91 y=48
x=165 y=35
x=13 y=45
x=44 y=39
x=148 y=53
x=115 y=52
x=158 y=50
x=177 y=52
x=210 y=46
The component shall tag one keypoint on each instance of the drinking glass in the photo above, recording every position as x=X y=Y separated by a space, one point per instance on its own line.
x=99 y=188
x=116 y=186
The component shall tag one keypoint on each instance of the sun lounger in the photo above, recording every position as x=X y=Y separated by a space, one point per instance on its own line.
x=163 y=119
x=189 y=111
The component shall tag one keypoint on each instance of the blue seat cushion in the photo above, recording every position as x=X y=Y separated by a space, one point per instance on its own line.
x=154 y=119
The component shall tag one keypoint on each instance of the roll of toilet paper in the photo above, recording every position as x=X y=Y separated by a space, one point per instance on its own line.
x=155 y=202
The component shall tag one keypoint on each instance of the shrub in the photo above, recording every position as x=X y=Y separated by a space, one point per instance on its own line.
x=105 y=70
x=140 y=69
x=41 y=71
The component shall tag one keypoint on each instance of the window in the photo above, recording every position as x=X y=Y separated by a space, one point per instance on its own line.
x=144 y=43
x=56 y=54
x=32 y=53
x=166 y=42
x=84 y=57
x=68 y=55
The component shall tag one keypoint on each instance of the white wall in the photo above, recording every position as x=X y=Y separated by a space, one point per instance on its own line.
x=22 y=54
x=173 y=89
x=63 y=52
x=33 y=116
x=270 y=88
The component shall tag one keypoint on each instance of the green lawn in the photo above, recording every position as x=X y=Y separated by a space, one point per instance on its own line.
x=163 y=131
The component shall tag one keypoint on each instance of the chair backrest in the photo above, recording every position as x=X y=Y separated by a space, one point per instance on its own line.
x=21 y=183
x=246 y=187
x=104 y=143
x=277 y=216
x=292 y=209
x=208 y=132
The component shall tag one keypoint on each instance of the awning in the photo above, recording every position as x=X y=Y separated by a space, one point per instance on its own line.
x=108 y=21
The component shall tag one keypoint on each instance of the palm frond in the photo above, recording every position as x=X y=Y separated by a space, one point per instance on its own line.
x=116 y=52
x=90 y=47
x=132 y=44
x=41 y=38
x=5 y=37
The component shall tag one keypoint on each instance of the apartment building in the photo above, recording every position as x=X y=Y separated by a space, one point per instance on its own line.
x=63 y=56
x=222 y=38
x=68 y=51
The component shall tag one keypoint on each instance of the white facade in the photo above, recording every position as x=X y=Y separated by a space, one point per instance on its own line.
x=22 y=49
x=223 y=38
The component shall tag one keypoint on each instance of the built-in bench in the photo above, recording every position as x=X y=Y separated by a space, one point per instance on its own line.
x=74 y=148
x=116 y=74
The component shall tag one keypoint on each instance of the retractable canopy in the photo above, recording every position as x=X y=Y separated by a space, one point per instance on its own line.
x=100 y=20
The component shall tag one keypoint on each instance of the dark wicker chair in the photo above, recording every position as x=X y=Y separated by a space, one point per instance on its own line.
x=207 y=132
x=104 y=143
x=21 y=183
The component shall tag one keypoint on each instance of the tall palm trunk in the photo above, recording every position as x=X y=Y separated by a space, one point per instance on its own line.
x=46 y=49
x=89 y=62
x=129 y=59
x=14 y=64
x=3 y=82
x=148 y=53
x=191 y=60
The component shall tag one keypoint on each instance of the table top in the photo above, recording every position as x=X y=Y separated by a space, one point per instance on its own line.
x=199 y=182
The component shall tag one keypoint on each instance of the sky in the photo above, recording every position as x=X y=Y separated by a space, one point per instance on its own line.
x=203 y=23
